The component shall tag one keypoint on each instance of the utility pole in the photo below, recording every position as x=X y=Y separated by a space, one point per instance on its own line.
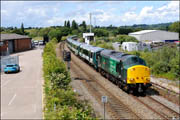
x=90 y=21
x=94 y=21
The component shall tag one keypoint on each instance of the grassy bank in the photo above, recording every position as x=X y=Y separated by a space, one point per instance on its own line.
x=60 y=100
x=163 y=62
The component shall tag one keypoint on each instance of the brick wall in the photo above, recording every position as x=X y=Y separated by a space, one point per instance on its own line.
x=4 y=47
x=22 y=44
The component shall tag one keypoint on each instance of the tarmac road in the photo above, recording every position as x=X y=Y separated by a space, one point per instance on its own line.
x=21 y=93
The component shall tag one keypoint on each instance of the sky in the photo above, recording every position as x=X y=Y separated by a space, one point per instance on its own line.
x=104 y=13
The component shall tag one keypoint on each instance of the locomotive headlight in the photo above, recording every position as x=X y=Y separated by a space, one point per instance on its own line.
x=131 y=79
x=148 y=79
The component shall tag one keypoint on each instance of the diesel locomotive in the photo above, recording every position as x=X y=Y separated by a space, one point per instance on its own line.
x=129 y=72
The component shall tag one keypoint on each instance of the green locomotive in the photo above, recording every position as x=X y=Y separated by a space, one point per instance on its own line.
x=127 y=71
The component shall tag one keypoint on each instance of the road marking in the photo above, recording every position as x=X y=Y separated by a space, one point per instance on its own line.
x=34 y=107
x=12 y=99
x=5 y=83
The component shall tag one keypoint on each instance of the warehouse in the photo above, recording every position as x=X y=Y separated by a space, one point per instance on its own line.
x=155 y=36
x=10 y=43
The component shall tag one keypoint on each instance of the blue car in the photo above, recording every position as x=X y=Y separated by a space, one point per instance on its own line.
x=11 y=68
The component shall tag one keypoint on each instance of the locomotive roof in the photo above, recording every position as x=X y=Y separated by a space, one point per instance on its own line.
x=114 y=54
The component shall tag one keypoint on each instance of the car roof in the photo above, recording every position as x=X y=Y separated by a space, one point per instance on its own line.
x=11 y=64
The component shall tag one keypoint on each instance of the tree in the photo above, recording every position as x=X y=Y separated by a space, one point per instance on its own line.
x=55 y=33
x=101 y=32
x=68 y=24
x=74 y=25
x=65 y=24
x=124 y=30
x=17 y=31
x=84 y=26
x=22 y=29
x=175 y=27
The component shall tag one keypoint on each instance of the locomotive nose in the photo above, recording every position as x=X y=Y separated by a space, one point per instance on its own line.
x=138 y=74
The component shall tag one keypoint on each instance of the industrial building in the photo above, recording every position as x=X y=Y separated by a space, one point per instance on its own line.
x=10 y=43
x=155 y=36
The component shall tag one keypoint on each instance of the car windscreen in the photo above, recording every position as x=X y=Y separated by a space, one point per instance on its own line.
x=9 y=65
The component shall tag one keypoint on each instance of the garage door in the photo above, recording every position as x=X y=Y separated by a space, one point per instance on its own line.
x=11 y=46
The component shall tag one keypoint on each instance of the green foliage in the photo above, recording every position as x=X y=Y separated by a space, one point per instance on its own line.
x=163 y=62
x=84 y=27
x=124 y=30
x=175 y=27
x=124 y=38
x=65 y=24
x=75 y=32
x=55 y=33
x=74 y=25
x=101 y=32
x=106 y=45
x=68 y=24
x=60 y=100
x=22 y=28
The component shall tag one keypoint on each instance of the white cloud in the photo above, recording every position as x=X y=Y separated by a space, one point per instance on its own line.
x=4 y=12
x=55 y=21
x=168 y=12
x=44 y=13
x=36 y=11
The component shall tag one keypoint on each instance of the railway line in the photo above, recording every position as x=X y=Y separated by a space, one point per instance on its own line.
x=157 y=107
x=167 y=93
x=115 y=106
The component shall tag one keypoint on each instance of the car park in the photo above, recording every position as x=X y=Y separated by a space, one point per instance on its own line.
x=41 y=42
x=36 y=42
x=11 y=68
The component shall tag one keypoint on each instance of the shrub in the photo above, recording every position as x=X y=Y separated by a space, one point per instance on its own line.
x=163 y=62
x=60 y=100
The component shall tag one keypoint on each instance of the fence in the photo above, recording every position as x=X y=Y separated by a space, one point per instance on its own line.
x=8 y=60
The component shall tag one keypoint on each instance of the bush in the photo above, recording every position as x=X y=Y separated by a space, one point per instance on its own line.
x=124 y=38
x=163 y=62
x=60 y=100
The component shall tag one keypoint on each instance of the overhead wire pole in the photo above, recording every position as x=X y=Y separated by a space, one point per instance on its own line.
x=90 y=21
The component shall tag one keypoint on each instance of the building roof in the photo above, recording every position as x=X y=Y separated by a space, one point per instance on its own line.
x=12 y=36
x=142 y=32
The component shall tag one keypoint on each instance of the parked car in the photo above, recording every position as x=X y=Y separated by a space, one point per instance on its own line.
x=36 y=42
x=11 y=68
x=41 y=42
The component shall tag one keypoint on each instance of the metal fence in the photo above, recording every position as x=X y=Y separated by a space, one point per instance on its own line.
x=8 y=60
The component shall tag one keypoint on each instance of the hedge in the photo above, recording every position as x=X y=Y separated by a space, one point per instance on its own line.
x=60 y=101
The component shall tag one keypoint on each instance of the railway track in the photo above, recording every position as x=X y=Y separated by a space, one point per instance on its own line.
x=115 y=107
x=157 y=107
x=167 y=93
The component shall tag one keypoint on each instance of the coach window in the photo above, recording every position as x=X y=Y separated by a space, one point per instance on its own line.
x=91 y=54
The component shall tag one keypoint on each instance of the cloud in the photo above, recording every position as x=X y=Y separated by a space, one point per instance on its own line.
x=55 y=21
x=36 y=11
x=168 y=12
x=45 y=13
